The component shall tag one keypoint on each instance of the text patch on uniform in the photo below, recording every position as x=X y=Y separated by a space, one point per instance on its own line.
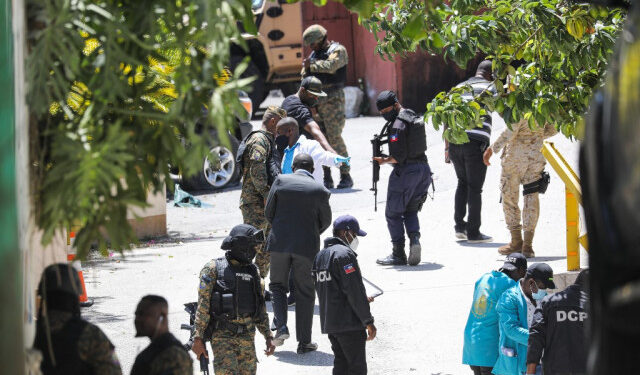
x=349 y=268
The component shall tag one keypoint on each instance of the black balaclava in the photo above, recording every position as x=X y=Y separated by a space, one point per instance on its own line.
x=387 y=99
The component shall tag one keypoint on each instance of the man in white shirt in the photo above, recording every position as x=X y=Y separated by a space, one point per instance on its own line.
x=290 y=143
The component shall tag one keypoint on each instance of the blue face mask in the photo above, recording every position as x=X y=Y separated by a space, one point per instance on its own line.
x=539 y=295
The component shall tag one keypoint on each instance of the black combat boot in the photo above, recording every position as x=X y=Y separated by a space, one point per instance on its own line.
x=328 y=180
x=397 y=257
x=345 y=181
x=414 y=249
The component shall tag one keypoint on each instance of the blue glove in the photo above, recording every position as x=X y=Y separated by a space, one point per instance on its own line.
x=342 y=159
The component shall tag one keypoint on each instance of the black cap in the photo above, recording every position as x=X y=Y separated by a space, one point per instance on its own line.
x=541 y=272
x=515 y=261
x=313 y=85
x=386 y=99
x=348 y=222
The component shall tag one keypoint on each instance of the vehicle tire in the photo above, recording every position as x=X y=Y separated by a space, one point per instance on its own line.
x=209 y=178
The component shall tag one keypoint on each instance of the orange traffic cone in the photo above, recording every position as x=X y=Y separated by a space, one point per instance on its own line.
x=71 y=258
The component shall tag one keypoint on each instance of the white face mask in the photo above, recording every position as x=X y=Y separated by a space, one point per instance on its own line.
x=353 y=244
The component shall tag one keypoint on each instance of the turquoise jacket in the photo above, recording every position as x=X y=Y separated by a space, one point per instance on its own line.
x=481 y=333
x=514 y=333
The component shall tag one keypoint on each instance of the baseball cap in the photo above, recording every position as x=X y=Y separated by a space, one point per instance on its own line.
x=313 y=85
x=542 y=272
x=275 y=110
x=348 y=222
x=313 y=34
x=515 y=261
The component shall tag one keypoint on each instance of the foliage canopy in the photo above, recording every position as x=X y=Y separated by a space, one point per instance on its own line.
x=549 y=56
x=116 y=89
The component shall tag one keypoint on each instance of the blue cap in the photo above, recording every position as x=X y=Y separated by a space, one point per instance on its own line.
x=348 y=222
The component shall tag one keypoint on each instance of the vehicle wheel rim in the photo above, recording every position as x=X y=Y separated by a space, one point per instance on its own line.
x=221 y=177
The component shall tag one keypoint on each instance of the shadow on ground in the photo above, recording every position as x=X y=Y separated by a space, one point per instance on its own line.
x=481 y=245
x=316 y=358
x=420 y=267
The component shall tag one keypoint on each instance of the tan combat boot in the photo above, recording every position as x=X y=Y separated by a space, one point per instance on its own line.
x=527 y=246
x=515 y=246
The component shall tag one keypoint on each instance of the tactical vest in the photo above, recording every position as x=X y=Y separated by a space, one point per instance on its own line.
x=273 y=162
x=237 y=291
x=142 y=365
x=416 y=135
x=64 y=344
x=336 y=79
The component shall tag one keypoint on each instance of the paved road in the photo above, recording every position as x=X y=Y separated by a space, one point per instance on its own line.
x=420 y=317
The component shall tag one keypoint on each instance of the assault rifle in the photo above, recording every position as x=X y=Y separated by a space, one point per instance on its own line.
x=377 y=142
x=191 y=309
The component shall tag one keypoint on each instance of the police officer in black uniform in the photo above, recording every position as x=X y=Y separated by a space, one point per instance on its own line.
x=344 y=305
x=232 y=306
x=558 y=331
x=69 y=344
x=409 y=180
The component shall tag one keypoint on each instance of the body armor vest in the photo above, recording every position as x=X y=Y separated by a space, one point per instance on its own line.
x=237 y=291
x=64 y=344
x=336 y=79
x=416 y=135
x=273 y=158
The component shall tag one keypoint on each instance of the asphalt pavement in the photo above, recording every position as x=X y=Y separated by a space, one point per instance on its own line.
x=421 y=315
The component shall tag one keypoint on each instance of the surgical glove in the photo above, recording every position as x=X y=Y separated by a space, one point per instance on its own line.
x=341 y=159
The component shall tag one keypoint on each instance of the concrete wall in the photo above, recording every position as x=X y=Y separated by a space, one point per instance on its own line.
x=150 y=221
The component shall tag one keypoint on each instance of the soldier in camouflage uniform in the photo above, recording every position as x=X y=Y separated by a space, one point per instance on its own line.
x=328 y=62
x=69 y=344
x=522 y=163
x=165 y=355
x=231 y=303
x=255 y=156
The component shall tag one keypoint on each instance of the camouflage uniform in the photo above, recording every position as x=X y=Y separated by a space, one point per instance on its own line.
x=255 y=189
x=173 y=360
x=232 y=354
x=94 y=348
x=522 y=163
x=331 y=116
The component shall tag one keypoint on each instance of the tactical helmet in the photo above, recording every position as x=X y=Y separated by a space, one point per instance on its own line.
x=60 y=277
x=241 y=242
x=313 y=33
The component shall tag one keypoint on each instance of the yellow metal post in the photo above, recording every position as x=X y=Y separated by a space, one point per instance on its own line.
x=573 y=231
x=573 y=197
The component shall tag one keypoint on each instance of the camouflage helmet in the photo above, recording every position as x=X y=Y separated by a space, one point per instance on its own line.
x=313 y=34
x=60 y=277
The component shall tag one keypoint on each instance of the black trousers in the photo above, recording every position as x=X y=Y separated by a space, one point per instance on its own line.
x=300 y=267
x=471 y=171
x=478 y=370
x=349 y=351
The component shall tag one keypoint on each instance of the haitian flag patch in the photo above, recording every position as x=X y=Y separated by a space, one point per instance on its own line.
x=349 y=268
x=393 y=138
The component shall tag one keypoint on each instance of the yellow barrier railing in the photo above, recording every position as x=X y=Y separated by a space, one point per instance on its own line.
x=573 y=197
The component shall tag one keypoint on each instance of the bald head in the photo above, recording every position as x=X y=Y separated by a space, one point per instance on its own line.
x=484 y=70
x=288 y=127
x=303 y=161
x=151 y=316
